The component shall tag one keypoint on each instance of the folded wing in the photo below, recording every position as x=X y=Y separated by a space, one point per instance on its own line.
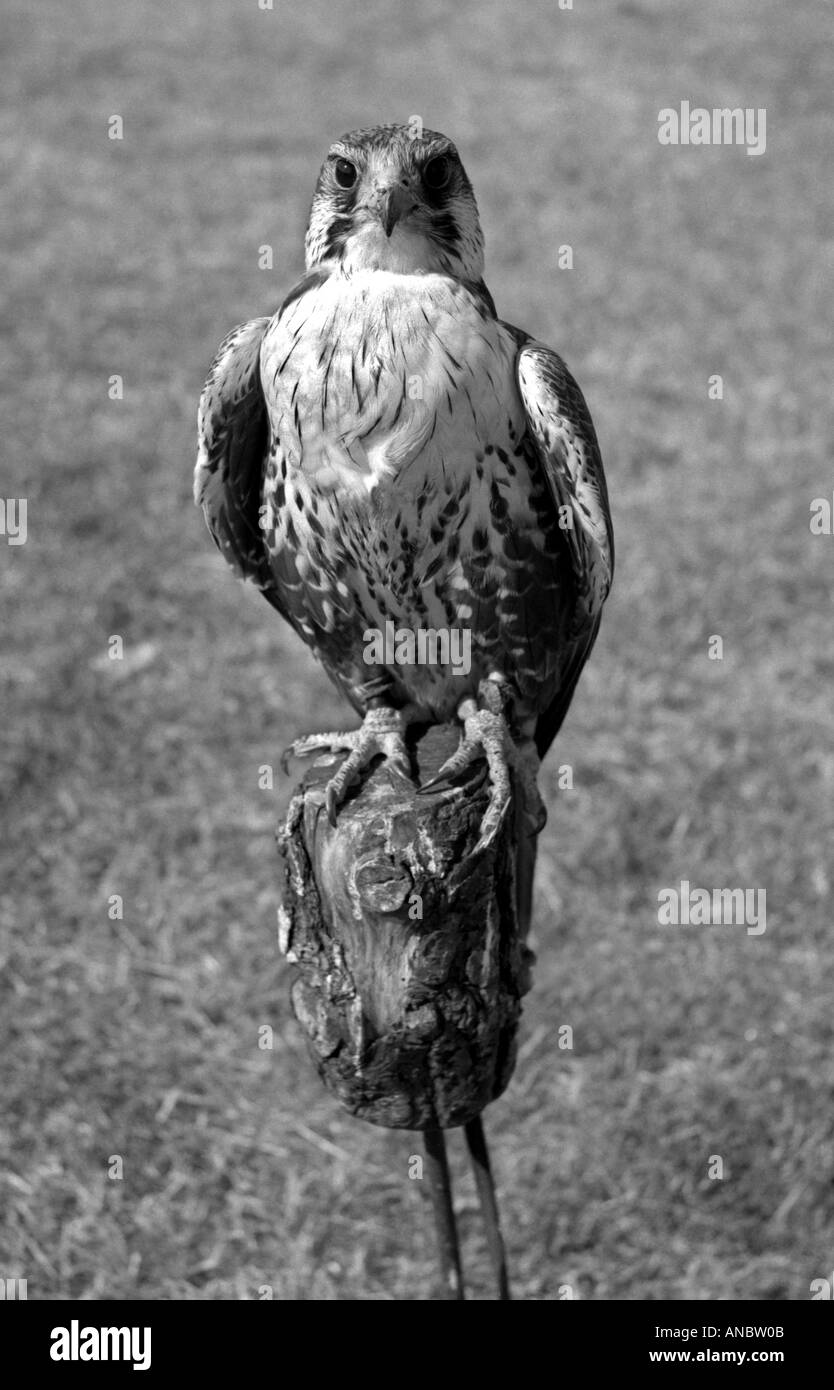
x=562 y=431
x=232 y=443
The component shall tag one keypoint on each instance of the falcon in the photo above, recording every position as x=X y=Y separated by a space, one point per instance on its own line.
x=385 y=449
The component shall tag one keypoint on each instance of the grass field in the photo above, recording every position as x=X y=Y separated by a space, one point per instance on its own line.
x=139 y=1038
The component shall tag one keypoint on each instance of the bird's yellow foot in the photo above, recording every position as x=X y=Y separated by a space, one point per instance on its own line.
x=382 y=733
x=486 y=734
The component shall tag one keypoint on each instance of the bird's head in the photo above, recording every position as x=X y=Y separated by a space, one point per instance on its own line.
x=395 y=198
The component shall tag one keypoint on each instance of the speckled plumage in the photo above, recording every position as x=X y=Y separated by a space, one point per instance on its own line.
x=385 y=447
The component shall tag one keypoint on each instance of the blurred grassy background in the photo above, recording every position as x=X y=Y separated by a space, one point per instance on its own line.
x=140 y=1037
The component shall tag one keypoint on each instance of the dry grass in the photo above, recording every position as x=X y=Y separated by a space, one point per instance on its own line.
x=139 y=1038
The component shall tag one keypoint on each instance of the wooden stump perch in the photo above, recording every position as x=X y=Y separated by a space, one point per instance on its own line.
x=410 y=966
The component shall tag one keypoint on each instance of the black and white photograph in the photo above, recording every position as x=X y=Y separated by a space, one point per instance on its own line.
x=417 y=755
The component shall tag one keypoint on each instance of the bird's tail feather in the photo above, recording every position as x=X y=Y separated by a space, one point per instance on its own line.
x=525 y=871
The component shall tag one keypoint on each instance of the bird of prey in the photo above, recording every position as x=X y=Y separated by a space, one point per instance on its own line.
x=385 y=449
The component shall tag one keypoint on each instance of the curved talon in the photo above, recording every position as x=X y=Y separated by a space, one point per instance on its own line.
x=486 y=734
x=382 y=734
x=316 y=743
x=535 y=816
x=464 y=755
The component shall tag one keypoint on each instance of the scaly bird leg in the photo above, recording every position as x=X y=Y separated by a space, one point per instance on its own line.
x=479 y=1153
x=486 y=734
x=440 y=1188
x=382 y=733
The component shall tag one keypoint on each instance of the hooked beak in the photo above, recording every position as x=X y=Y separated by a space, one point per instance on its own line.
x=392 y=203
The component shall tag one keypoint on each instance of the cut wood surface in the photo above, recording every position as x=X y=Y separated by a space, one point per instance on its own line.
x=410 y=968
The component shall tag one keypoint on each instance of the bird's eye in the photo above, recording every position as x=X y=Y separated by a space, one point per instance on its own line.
x=437 y=172
x=345 y=173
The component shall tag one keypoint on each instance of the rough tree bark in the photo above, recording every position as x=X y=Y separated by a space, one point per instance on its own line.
x=410 y=967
